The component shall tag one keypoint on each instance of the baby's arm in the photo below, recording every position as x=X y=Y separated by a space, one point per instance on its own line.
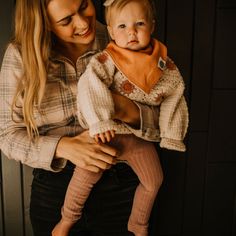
x=173 y=112
x=95 y=103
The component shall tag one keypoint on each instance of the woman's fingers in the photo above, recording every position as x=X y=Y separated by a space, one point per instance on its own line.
x=93 y=164
x=102 y=152
x=99 y=164
x=84 y=152
x=92 y=169
x=109 y=150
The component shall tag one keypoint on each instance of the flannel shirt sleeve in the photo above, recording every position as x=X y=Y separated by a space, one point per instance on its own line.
x=14 y=141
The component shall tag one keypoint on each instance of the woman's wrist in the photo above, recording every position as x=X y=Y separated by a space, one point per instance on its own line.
x=60 y=150
x=132 y=116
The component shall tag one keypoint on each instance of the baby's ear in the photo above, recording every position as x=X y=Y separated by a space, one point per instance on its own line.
x=153 y=26
x=110 y=31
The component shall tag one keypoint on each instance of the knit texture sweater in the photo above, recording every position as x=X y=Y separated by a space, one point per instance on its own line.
x=96 y=107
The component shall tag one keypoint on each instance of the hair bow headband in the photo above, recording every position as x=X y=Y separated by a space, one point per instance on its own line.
x=108 y=3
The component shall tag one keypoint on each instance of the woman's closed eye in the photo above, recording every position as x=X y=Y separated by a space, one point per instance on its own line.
x=66 y=21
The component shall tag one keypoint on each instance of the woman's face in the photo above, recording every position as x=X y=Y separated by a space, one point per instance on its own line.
x=72 y=21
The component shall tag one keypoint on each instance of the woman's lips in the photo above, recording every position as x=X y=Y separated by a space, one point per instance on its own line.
x=84 y=33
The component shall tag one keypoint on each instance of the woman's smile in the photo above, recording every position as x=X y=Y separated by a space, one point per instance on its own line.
x=84 y=33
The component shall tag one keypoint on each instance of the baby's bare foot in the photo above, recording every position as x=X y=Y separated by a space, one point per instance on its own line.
x=62 y=228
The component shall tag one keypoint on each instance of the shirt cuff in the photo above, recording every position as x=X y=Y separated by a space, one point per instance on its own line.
x=102 y=127
x=47 y=154
x=176 y=145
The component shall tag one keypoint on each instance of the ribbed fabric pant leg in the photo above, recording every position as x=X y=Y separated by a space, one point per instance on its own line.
x=143 y=159
x=77 y=193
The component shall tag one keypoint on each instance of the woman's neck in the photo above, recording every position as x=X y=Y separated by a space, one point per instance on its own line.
x=72 y=51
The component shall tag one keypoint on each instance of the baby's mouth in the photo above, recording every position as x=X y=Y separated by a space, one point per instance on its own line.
x=132 y=41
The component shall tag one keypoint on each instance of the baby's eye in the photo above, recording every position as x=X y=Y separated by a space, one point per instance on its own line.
x=140 y=23
x=121 y=26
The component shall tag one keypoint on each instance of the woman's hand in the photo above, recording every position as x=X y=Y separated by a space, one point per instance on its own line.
x=126 y=110
x=83 y=151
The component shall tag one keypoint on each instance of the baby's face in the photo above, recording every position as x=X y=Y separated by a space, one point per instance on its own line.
x=130 y=28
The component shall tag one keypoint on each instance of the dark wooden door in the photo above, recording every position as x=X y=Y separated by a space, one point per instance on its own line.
x=198 y=196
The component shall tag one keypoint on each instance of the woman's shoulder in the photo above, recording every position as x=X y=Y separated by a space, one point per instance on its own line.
x=12 y=50
x=12 y=54
x=12 y=47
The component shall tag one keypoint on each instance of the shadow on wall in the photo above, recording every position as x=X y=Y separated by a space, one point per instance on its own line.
x=6 y=25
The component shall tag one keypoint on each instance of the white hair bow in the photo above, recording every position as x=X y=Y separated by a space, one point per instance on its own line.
x=107 y=3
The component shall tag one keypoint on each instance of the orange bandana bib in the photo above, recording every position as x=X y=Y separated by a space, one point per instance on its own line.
x=142 y=68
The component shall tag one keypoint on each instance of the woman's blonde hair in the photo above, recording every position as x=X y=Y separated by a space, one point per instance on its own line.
x=33 y=37
x=118 y=5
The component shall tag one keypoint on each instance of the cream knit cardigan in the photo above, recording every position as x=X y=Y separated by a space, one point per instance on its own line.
x=96 y=107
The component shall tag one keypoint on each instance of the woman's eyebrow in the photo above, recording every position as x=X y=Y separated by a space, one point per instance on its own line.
x=64 y=18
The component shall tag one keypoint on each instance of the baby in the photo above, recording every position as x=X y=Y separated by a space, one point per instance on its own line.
x=134 y=65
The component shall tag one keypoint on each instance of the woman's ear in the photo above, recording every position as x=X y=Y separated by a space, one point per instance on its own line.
x=110 y=31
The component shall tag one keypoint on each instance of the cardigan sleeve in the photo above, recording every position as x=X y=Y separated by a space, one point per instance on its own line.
x=94 y=100
x=173 y=112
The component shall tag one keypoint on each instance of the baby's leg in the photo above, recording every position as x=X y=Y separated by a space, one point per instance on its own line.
x=144 y=160
x=77 y=193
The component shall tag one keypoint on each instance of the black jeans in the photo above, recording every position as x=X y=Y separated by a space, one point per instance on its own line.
x=105 y=213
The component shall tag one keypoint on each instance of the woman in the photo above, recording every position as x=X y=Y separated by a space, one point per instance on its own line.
x=54 y=40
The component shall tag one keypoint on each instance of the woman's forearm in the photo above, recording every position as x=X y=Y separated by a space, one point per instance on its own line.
x=142 y=120
x=126 y=110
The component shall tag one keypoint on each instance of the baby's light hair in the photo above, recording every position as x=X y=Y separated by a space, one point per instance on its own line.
x=118 y=5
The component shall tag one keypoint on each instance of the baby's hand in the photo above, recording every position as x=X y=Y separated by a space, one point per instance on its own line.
x=105 y=137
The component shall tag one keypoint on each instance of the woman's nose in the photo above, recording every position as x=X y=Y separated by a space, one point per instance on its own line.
x=81 y=22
